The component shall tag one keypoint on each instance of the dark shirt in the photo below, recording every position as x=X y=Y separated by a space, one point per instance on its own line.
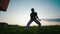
x=33 y=15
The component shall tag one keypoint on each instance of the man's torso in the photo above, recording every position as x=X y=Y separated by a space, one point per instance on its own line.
x=33 y=15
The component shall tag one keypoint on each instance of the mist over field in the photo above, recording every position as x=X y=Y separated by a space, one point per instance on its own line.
x=52 y=21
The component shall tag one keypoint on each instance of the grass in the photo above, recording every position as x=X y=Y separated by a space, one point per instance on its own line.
x=32 y=30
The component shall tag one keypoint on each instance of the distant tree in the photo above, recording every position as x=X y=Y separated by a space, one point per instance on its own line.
x=3 y=24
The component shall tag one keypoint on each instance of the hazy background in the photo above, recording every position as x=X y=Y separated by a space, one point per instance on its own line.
x=18 y=12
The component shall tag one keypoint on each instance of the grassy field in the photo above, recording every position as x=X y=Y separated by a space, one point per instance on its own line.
x=33 y=30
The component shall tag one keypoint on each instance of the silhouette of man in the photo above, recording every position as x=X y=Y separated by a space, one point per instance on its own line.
x=34 y=18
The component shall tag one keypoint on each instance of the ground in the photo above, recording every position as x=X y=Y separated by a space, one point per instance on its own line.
x=32 y=30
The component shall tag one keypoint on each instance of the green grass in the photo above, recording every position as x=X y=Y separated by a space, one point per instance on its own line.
x=32 y=30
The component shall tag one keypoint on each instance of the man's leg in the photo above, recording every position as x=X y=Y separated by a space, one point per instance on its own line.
x=27 y=27
x=39 y=24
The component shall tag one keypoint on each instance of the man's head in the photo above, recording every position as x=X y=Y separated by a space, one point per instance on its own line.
x=32 y=9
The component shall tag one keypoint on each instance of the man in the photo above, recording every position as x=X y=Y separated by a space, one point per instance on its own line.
x=34 y=18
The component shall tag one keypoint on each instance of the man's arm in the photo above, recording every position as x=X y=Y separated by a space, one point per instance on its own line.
x=38 y=18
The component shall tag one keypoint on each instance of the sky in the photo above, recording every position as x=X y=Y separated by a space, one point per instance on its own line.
x=18 y=11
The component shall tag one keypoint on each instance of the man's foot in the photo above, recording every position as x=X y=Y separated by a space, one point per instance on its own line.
x=26 y=29
x=39 y=27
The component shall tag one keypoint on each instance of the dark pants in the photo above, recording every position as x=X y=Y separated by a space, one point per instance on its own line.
x=31 y=20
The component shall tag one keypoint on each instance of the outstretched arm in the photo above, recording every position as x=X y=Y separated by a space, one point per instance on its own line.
x=38 y=18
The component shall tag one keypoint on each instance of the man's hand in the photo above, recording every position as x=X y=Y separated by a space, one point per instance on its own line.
x=39 y=19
